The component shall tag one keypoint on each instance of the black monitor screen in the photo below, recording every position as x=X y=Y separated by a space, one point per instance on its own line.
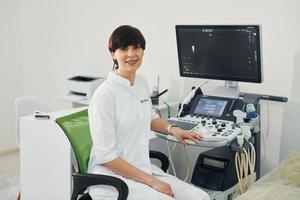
x=219 y=52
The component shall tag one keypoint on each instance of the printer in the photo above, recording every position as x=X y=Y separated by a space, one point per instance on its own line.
x=84 y=86
x=215 y=169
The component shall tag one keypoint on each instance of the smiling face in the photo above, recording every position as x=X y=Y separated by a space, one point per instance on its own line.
x=129 y=58
x=126 y=45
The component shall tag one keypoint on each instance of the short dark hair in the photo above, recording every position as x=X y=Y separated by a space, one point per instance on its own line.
x=124 y=36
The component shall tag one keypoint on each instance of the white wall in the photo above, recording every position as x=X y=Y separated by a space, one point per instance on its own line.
x=290 y=133
x=61 y=38
x=10 y=69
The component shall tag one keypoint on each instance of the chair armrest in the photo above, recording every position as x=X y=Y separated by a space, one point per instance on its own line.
x=82 y=181
x=162 y=157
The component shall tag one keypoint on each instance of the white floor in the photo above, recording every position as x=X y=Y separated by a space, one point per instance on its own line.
x=9 y=175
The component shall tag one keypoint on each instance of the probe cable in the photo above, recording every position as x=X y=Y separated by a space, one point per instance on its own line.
x=170 y=156
x=245 y=161
x=188 y=163
x=241 y=166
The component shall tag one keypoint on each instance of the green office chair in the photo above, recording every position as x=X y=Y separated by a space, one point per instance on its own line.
x=76 y=128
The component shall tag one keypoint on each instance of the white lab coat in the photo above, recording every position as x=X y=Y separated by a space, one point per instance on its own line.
x=120 y=116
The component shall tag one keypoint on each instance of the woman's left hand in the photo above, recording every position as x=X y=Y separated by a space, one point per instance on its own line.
x=182 y=135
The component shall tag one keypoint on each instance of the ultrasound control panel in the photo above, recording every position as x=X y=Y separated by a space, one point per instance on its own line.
x=211 y=117
x=215 y=132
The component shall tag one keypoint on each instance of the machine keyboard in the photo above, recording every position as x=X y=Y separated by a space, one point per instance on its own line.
x=183 y=125
x=215 y=132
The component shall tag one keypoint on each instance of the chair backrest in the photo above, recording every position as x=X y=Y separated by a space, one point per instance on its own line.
x=76 y=127
x=27 y=105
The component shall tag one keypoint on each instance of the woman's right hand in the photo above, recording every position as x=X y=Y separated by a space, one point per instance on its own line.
x=162 y=187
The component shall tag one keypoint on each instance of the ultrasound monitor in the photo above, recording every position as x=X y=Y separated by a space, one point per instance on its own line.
x=223 y=52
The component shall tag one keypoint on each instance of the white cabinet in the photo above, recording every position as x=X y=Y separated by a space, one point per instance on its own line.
x=45 y=159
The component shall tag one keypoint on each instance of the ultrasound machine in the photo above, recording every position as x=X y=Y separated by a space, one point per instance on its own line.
x=228 y=121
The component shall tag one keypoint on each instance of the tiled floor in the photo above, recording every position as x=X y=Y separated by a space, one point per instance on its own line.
x=9 y=175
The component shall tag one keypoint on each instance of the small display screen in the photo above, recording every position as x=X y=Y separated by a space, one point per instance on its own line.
x=210 y=107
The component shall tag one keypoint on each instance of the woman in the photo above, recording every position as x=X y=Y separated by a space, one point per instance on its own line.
x=120 y=118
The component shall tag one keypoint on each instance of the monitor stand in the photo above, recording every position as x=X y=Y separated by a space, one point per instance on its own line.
x=230 y=90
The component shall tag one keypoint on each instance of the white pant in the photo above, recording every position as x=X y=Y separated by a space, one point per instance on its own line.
x=139 y=191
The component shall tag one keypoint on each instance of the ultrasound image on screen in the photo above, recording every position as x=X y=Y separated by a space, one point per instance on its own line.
x=210 y=107
x=225 y=53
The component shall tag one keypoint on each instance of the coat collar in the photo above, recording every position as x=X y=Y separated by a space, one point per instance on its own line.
x=119 y=79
